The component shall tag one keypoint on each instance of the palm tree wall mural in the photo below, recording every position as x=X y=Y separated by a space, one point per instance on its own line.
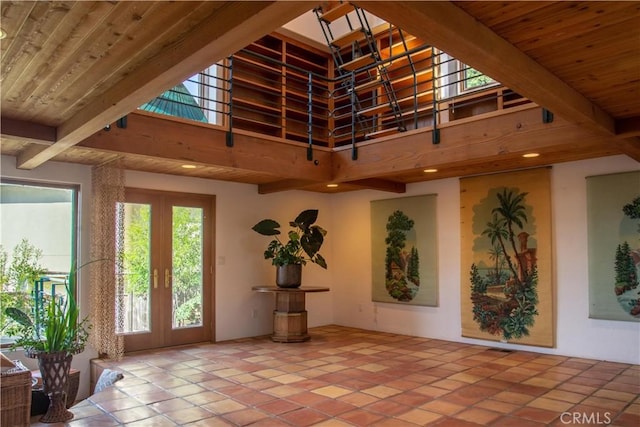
x=506 y=282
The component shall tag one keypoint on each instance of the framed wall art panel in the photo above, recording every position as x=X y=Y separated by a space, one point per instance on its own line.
x=404 y=250
x=613 y=231
x=507 y=287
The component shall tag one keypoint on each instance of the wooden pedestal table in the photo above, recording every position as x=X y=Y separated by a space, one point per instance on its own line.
x=290 y=315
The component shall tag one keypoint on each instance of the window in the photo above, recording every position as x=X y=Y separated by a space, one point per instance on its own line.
x=38 y=241
x=199 y=98
x=472 y=79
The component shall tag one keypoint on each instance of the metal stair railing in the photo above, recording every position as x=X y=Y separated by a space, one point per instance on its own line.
x=380 y=77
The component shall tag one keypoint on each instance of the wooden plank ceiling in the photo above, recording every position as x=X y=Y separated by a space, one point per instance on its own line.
x=69 y=68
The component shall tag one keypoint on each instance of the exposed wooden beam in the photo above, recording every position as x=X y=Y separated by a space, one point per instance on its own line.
x=231 y=27
x=361 y=184
x=284 y=185
x=499 y=141
x=379 y=184
x=451 y=29
x=27 y=131
x=150 y=135
x=628 y=127
x=630 y=147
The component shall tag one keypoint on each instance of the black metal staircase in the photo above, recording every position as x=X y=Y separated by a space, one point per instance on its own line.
x=357 y=54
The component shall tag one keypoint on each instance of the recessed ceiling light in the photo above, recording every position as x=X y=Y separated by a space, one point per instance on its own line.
x=430 y=170
x=530 y=155
x=3 y=34
x=189 y=166
x=332 y=185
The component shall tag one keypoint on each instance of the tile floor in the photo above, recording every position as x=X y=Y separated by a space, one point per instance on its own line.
x=352 y=377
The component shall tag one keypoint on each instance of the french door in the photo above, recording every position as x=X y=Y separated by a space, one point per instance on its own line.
x=165 y=244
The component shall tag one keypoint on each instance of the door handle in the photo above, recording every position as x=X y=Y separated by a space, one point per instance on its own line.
x=167 y=278
x=155 y=278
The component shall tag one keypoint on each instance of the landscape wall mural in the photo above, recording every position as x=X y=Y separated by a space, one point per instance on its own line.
x=404 y=250
x=613 y=224
x=507 y=281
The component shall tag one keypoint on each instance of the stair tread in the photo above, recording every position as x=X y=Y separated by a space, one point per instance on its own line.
x=369 y=85
x=336 y=12
x=359 y=62
x=358 y=35
x=370 y=111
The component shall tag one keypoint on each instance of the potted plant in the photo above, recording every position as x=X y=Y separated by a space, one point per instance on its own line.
x=303 y=245
x=52 y=335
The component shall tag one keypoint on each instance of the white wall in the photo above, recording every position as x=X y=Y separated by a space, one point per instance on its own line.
x=576 y=334
x=346 y=216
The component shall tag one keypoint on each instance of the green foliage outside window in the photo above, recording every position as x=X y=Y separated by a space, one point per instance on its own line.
x=187 y=266
x=16 y=280
x=186 y=258
x=474 y=79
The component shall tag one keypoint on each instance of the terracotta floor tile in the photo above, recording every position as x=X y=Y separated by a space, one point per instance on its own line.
x=328 y=423
x=448 y=384
x=119 y=404
x=388 y=407
x=536 y=414
x=566 y=396
x=577 y=388
x=615 y=395
x=246 y=417
x=550 y=404
x=478 y=416
x=157 y=421
x=513 y=397
x=352 y=377
x=278 y=406
x=358 y=399
x=332 y=391
x=333 y=407
x=601 y=402
x=510 y=421
x=304 y=417
x=360 y=417
x=497 y=406
x=224 y=406
x=443 y=407
x=419 y=417
x=134 y=414
x=154 y=397
x=382 y=391
x=171 y=405
x=470 y=394
x=188 y=415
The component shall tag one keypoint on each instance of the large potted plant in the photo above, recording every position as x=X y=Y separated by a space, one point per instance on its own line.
x=304 y=242
x=52 y=335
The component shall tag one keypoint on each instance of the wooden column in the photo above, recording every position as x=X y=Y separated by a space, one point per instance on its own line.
x=290 y=314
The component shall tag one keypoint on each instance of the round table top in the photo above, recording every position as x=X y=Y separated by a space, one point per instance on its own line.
x=262 y=288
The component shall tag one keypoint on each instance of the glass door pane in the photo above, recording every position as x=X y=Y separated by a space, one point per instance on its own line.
x=134 y=242
x=187 y=262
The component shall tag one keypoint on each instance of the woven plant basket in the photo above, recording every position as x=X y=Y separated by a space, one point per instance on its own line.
x=54 y=368
x=15 y=395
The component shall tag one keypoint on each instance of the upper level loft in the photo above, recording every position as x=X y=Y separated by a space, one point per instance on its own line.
x=369 y=81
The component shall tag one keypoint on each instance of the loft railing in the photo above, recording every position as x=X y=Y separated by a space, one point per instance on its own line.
x=256 y=92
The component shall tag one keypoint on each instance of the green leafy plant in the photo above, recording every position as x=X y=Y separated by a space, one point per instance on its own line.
x=305 y=240
x=52 y=330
